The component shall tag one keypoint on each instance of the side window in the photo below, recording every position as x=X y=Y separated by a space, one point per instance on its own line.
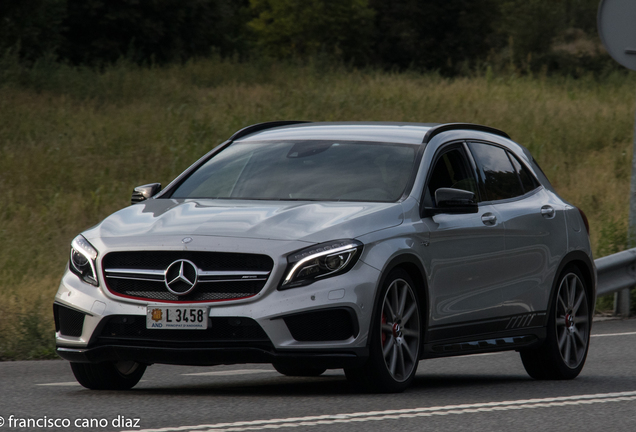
x=497 y=173
x=527 y=179
x=451 y=171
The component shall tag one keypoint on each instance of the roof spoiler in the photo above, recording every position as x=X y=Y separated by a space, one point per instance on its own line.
x=453 y=126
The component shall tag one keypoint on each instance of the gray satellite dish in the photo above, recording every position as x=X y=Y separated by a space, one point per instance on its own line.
x=617 y=29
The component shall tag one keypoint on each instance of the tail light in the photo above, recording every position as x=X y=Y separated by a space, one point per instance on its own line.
x=585 y=221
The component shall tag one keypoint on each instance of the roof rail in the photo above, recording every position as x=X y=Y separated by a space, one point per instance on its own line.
x=453 y=126
x=262 y=126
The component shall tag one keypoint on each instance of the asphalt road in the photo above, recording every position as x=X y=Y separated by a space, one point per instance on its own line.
x=481 y=392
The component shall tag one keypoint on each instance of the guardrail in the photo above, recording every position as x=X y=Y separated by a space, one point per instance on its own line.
x=617 y=274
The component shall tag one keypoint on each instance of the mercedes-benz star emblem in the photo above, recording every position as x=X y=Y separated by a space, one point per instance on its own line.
x=181 y=277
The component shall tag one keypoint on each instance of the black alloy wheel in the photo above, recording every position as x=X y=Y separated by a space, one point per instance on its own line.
x=395 y=337
x=122 y=375
x=564 y=351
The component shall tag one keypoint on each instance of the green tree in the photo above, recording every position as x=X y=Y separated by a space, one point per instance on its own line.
x=557 y=35
x=34 y=26
x=163 y=30
x=432 y=34
x=292 y=28
x=531 y=25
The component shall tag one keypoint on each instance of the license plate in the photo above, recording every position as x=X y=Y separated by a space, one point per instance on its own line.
x=176 y=318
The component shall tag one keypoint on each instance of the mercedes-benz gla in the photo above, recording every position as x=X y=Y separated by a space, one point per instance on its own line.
x=310 y=246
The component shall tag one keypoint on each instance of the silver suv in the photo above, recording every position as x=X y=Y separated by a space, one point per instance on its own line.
x=314 y=246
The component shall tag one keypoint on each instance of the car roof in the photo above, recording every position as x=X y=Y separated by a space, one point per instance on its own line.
x=394 y=132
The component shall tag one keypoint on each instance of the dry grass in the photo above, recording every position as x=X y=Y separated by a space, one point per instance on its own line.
x=26 y=318
x=73 y=143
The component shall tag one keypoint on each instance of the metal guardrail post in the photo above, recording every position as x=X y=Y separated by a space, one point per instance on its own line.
x=621 y=303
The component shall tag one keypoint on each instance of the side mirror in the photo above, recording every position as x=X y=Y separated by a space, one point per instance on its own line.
x=454 y=201
x=142 y=193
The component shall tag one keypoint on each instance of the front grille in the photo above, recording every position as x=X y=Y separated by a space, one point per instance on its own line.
x=131 y=330
x=203 y=291
x=323 y=325
x=210 y=261
x=68 y=322
x=221 y=276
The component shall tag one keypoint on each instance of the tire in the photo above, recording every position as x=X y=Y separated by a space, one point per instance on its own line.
x=122 y=375
x=564 y=351
x=299 y=371
x=394 y=338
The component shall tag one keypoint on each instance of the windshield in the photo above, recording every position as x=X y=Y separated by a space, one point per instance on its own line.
x=304 y=170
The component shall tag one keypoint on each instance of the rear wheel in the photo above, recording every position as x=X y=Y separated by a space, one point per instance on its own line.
x=122 y=375
x=394 y=346
x=564 y=351
x=299 y=371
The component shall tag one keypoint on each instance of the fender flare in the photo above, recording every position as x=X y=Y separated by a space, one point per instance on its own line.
x=422 y=291
x=587 y=268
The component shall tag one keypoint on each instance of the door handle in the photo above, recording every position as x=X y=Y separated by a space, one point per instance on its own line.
x=547 y=212
x=489 y=219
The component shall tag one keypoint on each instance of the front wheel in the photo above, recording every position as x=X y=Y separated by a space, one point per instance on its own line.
x=564 y=351
x=395 y=334
x=122 y=375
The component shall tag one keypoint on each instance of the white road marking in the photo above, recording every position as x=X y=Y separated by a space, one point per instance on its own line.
x=69 y=384
x=613 y=334
x=404 y=413
x=62 y=384
x=231 y=372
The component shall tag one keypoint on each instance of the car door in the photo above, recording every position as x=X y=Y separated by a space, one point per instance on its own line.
x=463 y=252
x=535 y=234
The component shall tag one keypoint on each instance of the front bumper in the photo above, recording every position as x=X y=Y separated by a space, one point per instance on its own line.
x=214 y=356
x=270 y=310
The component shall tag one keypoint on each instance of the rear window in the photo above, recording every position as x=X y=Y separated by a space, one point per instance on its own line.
x=304 y=170
x=527 y=179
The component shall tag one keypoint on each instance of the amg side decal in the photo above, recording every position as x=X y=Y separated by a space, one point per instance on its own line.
x=525 y=320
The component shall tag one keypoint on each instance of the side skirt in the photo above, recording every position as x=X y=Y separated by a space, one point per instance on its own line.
x=475 y=329
x=500 y=334
x=508 y=341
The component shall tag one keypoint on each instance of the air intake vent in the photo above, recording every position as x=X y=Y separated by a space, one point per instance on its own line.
x=68 y=322
x=324 y=325
x=131 y=330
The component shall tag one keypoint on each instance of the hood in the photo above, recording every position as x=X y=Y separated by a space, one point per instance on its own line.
x=272 y=220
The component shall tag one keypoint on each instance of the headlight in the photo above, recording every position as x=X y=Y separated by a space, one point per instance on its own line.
x=82 y=260
x=316 y=262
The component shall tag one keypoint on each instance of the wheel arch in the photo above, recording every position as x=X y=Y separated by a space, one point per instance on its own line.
x=586 y=266
x=547 y=361
x=415 y=269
